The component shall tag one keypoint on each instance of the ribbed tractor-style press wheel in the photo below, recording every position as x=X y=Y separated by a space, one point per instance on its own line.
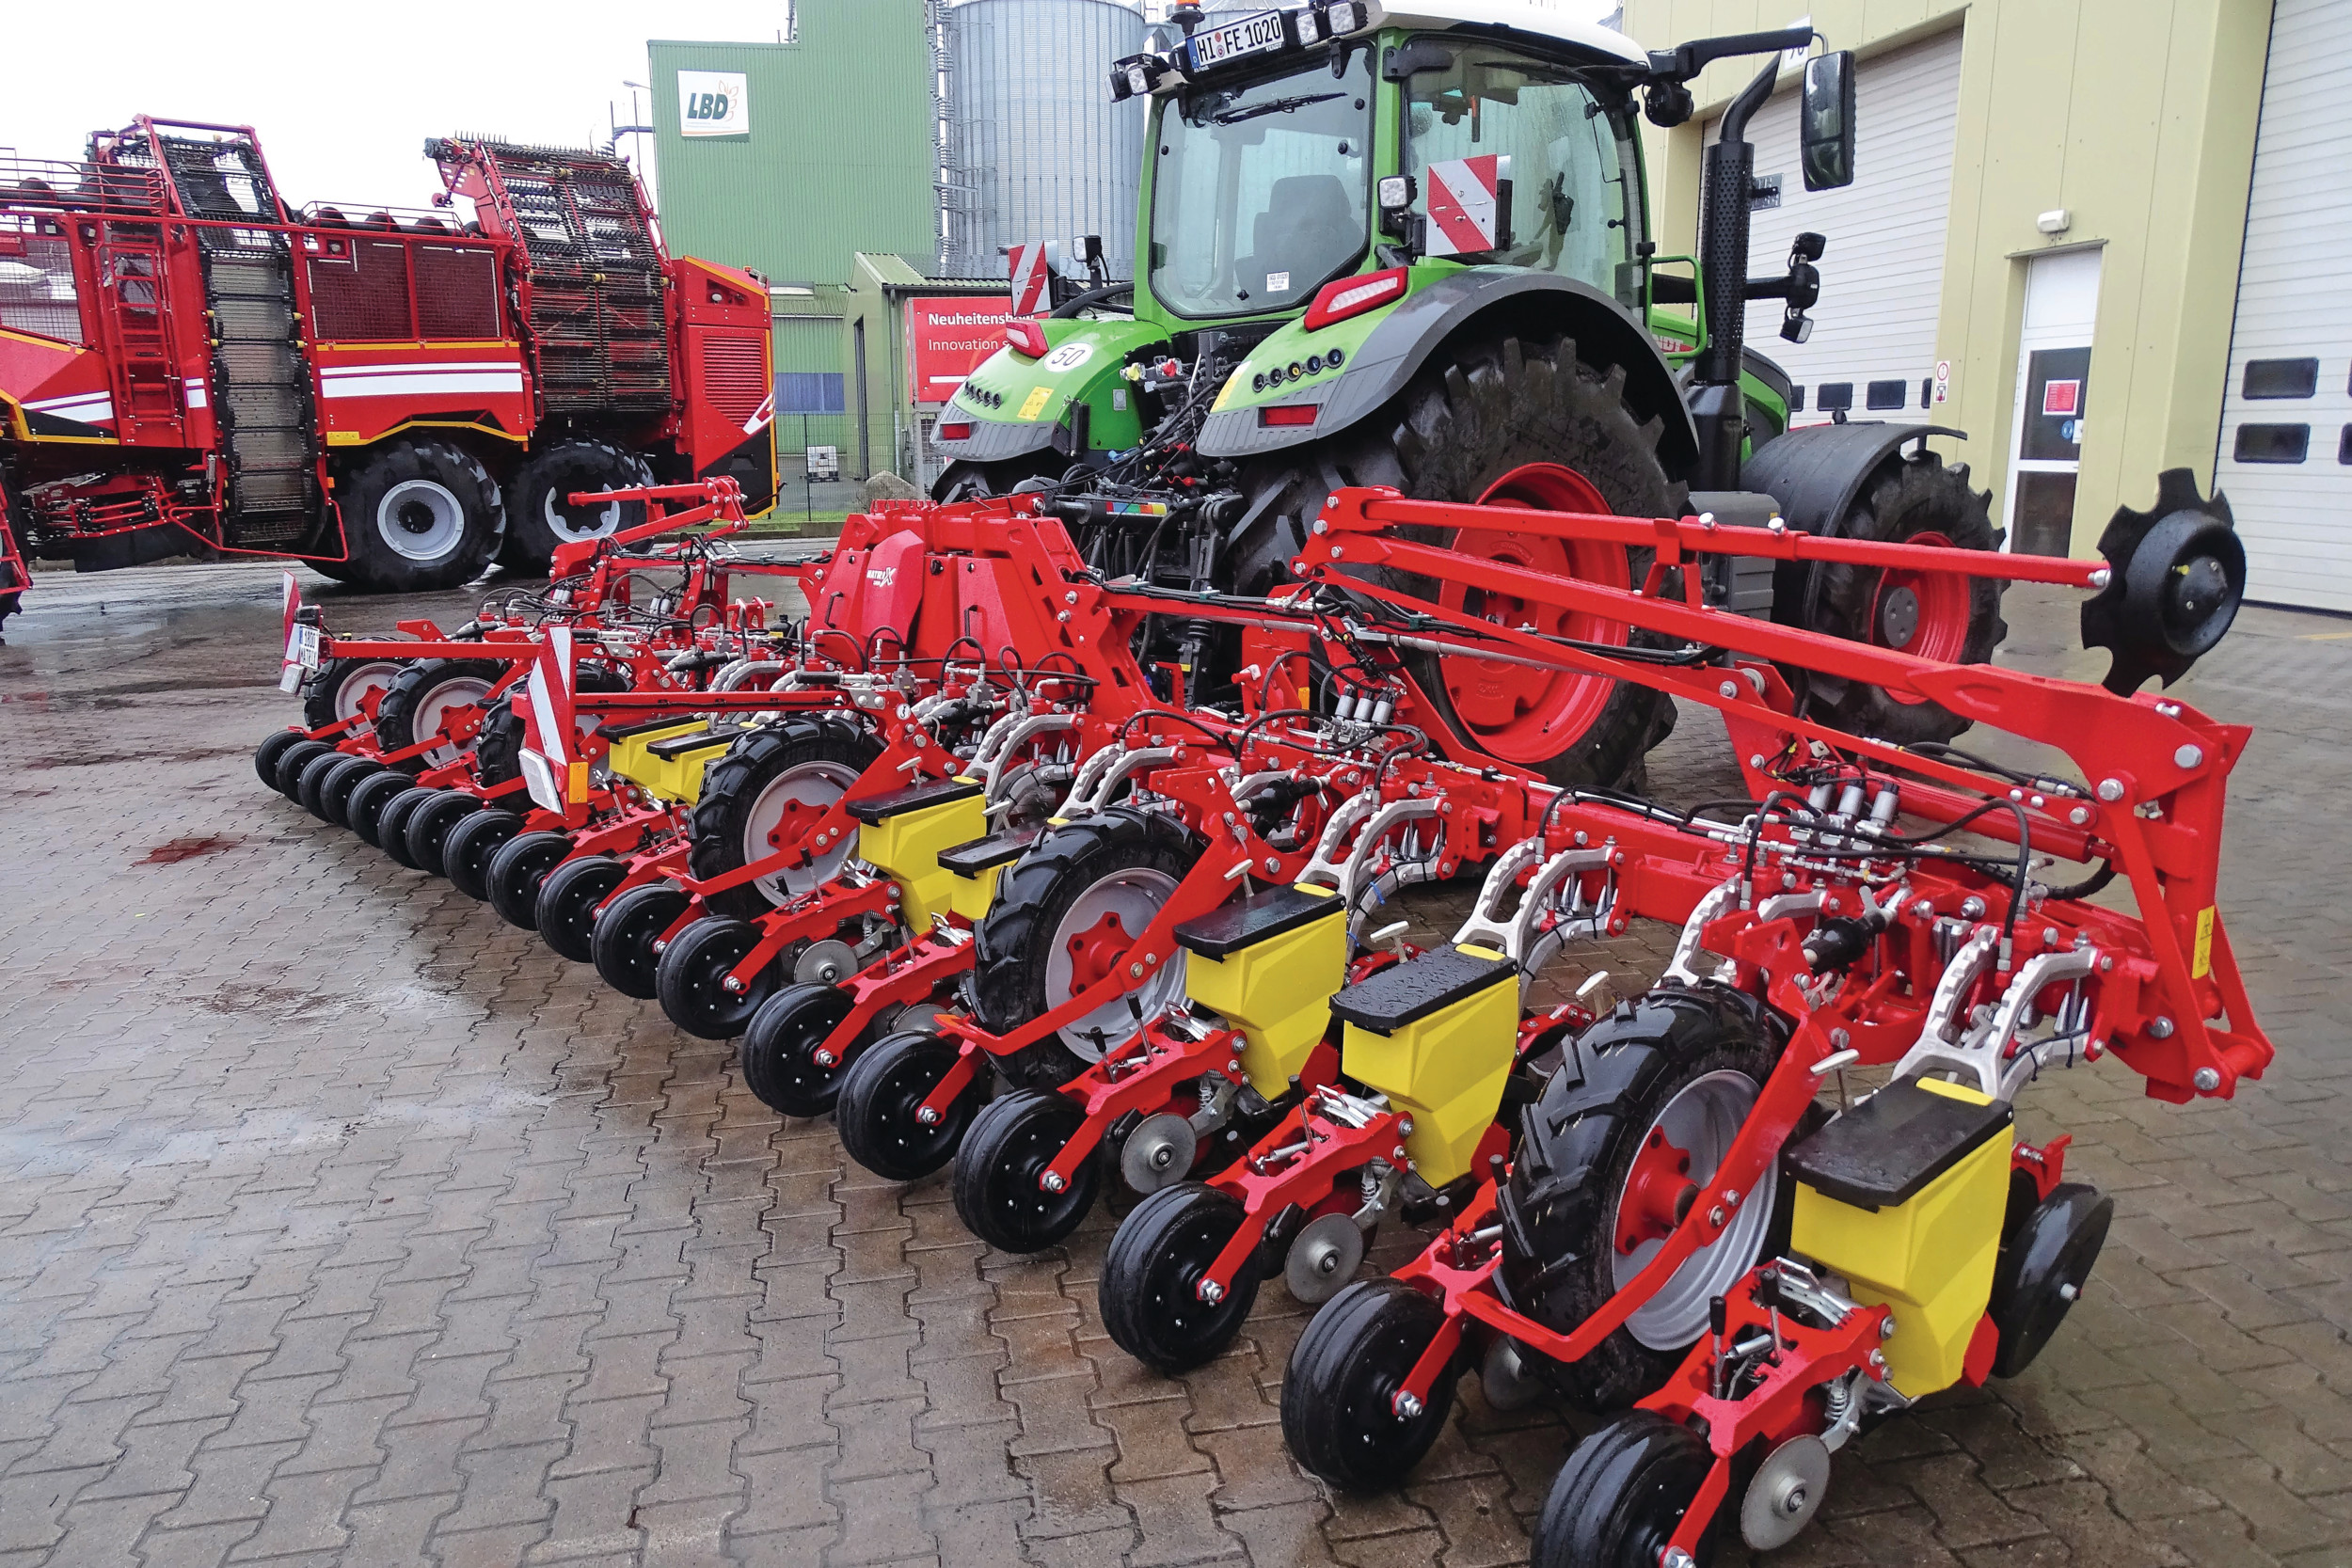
x=877 y=1113
x=1149 y=1293
x=779 y=1050
x=516 y=870
x=565 y=913
x=1514 y=424
x=421 y=702
x=766 y=793
x=998 y=1188
x=473 y=842
x=1612 y=1157
x=626 y=930
x=1341 y=1413
x=1620 y=1497
x=1908 y=499
x=1066 y=917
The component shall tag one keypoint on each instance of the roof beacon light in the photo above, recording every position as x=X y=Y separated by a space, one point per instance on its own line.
x=1353 y=296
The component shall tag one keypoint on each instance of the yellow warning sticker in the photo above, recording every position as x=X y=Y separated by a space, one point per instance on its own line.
x=1036 y=404
x=2200 y=963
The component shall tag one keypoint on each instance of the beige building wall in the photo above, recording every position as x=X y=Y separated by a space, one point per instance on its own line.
x=2136 y=116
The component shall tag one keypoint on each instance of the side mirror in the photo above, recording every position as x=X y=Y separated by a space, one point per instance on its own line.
x=1826 y=128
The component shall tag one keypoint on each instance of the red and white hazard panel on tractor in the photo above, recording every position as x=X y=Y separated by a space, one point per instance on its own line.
x=1470 y=205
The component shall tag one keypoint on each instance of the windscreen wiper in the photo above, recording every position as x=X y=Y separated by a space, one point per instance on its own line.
x=1274 y=106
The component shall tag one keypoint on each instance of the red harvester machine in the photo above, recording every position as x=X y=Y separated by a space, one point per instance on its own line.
x=188 y=361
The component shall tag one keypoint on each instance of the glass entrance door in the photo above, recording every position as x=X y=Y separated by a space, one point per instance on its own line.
x=2053 y=397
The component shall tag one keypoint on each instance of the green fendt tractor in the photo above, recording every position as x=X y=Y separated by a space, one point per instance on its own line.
x=1405 y=245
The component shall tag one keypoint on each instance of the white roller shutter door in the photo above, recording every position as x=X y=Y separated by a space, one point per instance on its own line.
x=2285 y=459
x=1881 y=278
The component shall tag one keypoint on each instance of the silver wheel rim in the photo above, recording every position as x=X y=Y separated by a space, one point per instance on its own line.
x=421 y=519
x=457 y=691
x=1701 y=1119
x=1136 y=896
x=560 y=522
x=357 y=683
x=815 y=785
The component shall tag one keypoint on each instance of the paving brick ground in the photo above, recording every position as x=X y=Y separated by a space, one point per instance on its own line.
x=341 y=1222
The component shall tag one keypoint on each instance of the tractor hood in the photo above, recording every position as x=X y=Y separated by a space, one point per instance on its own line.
x=1013 y=404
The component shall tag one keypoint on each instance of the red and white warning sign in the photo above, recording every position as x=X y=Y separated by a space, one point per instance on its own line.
x=1470 y=205
x=1029 y=271
x=2061 y=400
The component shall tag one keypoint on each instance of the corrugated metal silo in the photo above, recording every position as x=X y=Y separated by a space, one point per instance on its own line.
x=1035 y=149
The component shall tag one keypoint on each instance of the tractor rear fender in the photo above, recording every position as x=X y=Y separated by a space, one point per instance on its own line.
x=1816 y=474
x=1480 y=303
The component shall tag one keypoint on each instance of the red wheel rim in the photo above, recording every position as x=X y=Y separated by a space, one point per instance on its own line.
x=1658 y=1193
x=1925 y=613
x=1515 y=713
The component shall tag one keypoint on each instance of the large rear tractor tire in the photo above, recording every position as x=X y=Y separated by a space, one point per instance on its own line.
x=540 y=514
x=1511 y=422
x=420 y=516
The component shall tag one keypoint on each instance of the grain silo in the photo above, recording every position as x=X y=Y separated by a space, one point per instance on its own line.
x=1035 y=149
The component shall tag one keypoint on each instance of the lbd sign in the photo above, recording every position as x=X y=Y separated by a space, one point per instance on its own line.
x=713 y=103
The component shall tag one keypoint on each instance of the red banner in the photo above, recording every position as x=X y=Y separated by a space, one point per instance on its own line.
x=948 y=337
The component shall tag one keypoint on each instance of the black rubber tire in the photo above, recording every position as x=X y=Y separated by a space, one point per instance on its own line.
x=1152 y=1275
x=1009 y=977
x=964 y=482
x=291 y=761
x=392 y=829
x=1578 y=1142
x=429 y=826
x=325 y=692
x=1624 y=1490
x=775 y=1054
x=566 y=907
x=626 y=930
x=335 y=790
x=552 y=473
x=1905 y=496
x=398 y=715
x=880 y=1094
x=497 y=745
x=1345 y=1371
x=369 y=495
x=689 y=975
x=363 y=813
x=273 y=747
x=521 y=864
x=732 y=786
x=1009 y=1146
x=2056 y=1246
x=471 y=843
x=313 y=778
x=1481 y=409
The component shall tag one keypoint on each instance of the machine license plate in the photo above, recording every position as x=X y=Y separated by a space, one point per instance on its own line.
x=1262 y=33
x=306 y=649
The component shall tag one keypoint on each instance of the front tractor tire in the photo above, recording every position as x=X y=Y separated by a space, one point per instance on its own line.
x=1509 y=422
x=419 y=516
x=540 y=514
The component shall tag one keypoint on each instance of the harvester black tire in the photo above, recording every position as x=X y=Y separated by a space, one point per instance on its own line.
x=1338 y=1395
x=333 y=691
x=820 y=754
x=336 y=789
x=778 y=1064
x=881 y=1092
x=363 y=812
x=1150 y=1290
x=565 y=913
x=690 y=978
x=627 y=928
x=429 y=827
x=1008 y=1150
x=420 y=516
x=1699 y=1050
x=313 y=777
x=539 y=518
x=286 y=778
x=1011 y=980
x=413 y=704
x=392 y=829
x=521 y=864
x=1483 y=409
x=1623 y=1492
x=1906 y=495
x=472 y=844
x=274 y=746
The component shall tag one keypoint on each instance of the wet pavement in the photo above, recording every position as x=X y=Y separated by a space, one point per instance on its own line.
x=341 y=1222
